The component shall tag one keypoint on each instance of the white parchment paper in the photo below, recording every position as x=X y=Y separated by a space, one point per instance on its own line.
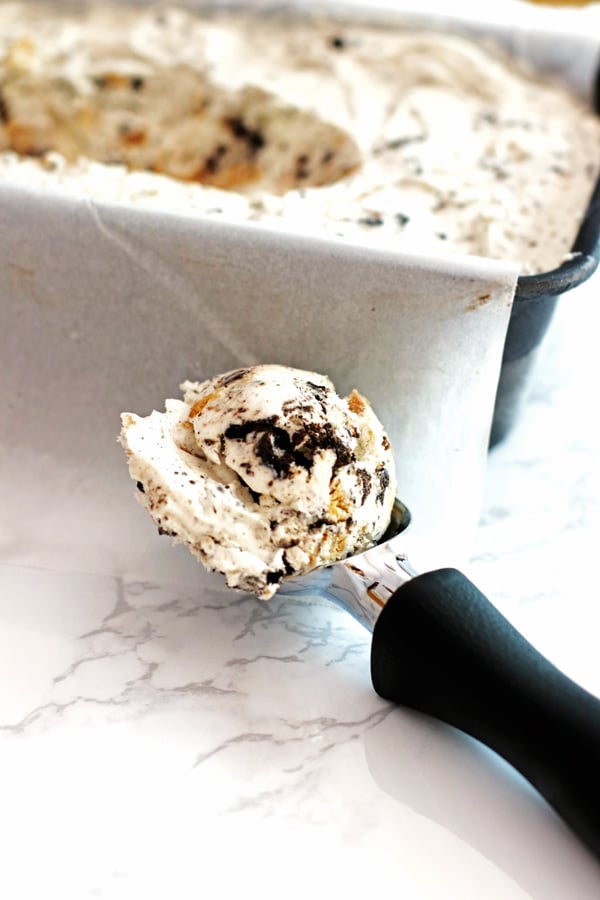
x=106 y=309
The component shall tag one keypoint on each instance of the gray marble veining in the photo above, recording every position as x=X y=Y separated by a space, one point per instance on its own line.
x=159 y=734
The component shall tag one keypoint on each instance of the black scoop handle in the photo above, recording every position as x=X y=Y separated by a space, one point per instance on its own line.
x=439 y=646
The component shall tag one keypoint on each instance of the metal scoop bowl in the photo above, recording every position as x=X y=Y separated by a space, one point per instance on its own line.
x=440 y=646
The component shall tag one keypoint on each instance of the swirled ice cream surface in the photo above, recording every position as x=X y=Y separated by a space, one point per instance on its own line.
x=403 y=138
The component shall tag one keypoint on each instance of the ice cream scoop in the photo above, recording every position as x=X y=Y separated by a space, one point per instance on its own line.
x=440 y=647
x=274 y=480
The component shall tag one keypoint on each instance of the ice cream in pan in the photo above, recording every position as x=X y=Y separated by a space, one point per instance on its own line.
x=271 y=478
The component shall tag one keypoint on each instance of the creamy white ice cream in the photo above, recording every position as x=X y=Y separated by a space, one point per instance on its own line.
x=410 y=139
x=264 y=473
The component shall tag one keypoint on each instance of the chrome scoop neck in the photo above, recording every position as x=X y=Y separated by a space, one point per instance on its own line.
x=362 y=583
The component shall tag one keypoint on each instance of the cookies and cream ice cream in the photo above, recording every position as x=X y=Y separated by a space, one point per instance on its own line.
x=403 y=138
x=264 y=472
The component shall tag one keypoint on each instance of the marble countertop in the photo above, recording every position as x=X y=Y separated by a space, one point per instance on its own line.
x=159 y=737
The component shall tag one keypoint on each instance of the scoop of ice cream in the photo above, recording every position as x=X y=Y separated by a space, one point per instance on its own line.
x=264 y=472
